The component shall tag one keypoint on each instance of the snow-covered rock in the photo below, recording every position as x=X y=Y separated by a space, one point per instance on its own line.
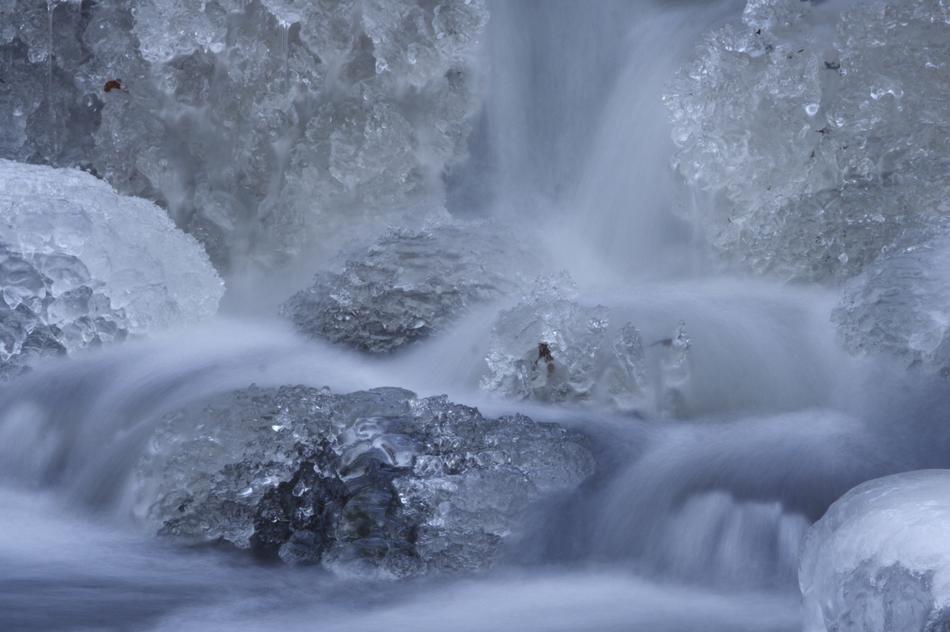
x=81 y=264
x=375 y=481
x=879 y=559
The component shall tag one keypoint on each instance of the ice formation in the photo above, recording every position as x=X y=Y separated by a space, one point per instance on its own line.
x=550 y=346
x=81 y=264
x=818 y=150
x=878 y=559
x=408 y=284
x=254 y=122
x=375 y=481
x=900 y=305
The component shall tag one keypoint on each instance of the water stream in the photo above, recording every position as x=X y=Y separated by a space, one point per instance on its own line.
x=690 y=525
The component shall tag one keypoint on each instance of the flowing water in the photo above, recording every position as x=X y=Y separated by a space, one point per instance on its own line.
x=689 y=525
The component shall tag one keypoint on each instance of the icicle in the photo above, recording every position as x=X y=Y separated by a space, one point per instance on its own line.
x=284 y=26
x=51 y=112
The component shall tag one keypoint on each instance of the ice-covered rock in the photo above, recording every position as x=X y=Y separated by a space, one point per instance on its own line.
x=817 y=149
x=900 y=305
x=878 y=560
x=408 y=284
x=375 y=481
x=256 y=123
x=551 y=346
x=81 y=264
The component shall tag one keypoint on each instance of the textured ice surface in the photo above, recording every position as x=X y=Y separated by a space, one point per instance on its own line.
x=817 y=149
x=81 y=264
x=408 y=284
x=255 y=123
x=879 y=560
x=377 y=481
x=900 y=305
x=551 y=346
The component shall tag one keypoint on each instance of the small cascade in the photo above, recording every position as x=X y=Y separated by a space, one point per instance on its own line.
x=713 y=537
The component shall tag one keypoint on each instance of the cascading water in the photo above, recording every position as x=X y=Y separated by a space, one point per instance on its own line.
x=706 y=419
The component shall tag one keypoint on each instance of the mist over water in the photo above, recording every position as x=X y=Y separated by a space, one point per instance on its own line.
x=691 y=524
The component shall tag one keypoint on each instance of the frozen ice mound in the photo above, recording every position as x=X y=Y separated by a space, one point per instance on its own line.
x=551 y=346
x=900 y=305
x=408 y=284
x=376 y=481
x=260 y=125
x=81 y=264
x=817 y=150
x=878 y=559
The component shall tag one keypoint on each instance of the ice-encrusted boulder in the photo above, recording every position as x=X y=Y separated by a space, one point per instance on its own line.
x=375 y=481
x=879 y=560
x=408 y=284
x=900 y=305
x=818 y=149
x=551 y=346
x=255 y=122
x=81 y=264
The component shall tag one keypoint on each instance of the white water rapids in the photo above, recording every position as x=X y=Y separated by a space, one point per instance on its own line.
x=687 y=526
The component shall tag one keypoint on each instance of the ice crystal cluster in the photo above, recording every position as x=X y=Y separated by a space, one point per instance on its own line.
x=254 y=122
x=552 y=347
x=878 y=559
x=818 y=150
x=81 y=264
x=408 y=284
x=376 y=481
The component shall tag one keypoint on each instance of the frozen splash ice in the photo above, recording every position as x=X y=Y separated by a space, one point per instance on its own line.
x=377 y=481
x=877 y=560
x=547 y=346
x=408 y=284
x=82 y=264
x=553 y=347
x=261 y=126
x=818 y=150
